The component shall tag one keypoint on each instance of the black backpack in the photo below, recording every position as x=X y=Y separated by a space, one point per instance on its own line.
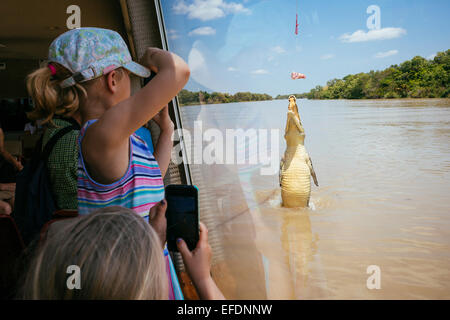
x=34 y=203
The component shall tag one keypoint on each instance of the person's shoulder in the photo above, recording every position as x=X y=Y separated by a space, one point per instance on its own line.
x=86 y=126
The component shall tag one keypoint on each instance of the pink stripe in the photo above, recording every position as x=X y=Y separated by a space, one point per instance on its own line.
x=109 y=68
x=149 y=205
x=169 y=278
x=155 y=181
x=131 y=172
x=87 y=196
x=84 y=194
x=120 y=190
x=136 y=182
x=144 y=166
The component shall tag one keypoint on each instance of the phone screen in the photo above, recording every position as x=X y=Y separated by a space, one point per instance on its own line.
x=182 y=219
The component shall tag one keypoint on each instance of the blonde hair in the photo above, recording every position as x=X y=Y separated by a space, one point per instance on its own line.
x=50 y=99
x=117 y=251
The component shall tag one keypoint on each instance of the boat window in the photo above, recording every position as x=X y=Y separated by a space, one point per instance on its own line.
x=323 y=193
x=233 y=133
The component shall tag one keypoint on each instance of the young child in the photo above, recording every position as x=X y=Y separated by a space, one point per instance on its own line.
x=118 y=256
x=88 y=79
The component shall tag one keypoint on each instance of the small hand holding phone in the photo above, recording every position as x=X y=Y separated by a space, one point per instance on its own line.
x=182 y=215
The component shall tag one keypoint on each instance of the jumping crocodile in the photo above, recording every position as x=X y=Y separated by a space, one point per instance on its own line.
x=296 y=167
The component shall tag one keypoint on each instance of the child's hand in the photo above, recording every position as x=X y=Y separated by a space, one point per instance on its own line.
x=198 y=266
x=155 y=59
x=163 y=120
x=157 y=219
x=148 y=59
x=159 y=61
x=198 y=261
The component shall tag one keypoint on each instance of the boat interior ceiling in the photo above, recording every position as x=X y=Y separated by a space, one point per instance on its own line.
x=28 y=27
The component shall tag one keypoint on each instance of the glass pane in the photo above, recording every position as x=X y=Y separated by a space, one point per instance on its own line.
x=381 y=164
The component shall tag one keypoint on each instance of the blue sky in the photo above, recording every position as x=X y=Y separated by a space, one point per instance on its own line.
x=250 y=45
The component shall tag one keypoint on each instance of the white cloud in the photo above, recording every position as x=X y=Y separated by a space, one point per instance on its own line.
x=431 y=56
x=172 y=34
x=327 y=56
x=208 y=9
x=203 y=31
x=205 y=68
x=386 y=54
x=197 y=65
x=278 y=49
x=260 y=71
x=372 y=35
x=232 y=69
x=275 y=51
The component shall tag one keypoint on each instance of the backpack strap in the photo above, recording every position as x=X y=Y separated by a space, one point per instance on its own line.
x=51 y=143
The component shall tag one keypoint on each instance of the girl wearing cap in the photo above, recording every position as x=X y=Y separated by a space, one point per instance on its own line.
x=88 y=79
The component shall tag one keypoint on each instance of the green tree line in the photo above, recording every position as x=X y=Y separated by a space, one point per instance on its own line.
x=202 y=97
x=286 y=96
x=415 y=78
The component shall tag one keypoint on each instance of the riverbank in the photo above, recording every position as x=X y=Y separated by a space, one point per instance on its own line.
x=187 y=97
x=415 y=78
x=367 y=99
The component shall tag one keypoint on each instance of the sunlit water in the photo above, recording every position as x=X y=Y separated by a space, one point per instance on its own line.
x=383 y=199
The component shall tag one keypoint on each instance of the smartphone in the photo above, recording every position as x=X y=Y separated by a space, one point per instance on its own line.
x=182 y=215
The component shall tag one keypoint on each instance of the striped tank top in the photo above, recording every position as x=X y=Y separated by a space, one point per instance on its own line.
x=139 y=189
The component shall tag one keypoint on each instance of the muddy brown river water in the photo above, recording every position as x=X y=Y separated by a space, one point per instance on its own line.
x=383 y=199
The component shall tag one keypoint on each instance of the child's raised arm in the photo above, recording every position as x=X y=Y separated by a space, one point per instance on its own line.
x=105 y=144
x=119 y=122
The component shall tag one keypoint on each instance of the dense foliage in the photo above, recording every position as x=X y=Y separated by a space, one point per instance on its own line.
x=416 y=78
x=202 y=97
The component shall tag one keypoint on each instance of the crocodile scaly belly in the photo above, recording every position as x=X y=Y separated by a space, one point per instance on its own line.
x=295 y=179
